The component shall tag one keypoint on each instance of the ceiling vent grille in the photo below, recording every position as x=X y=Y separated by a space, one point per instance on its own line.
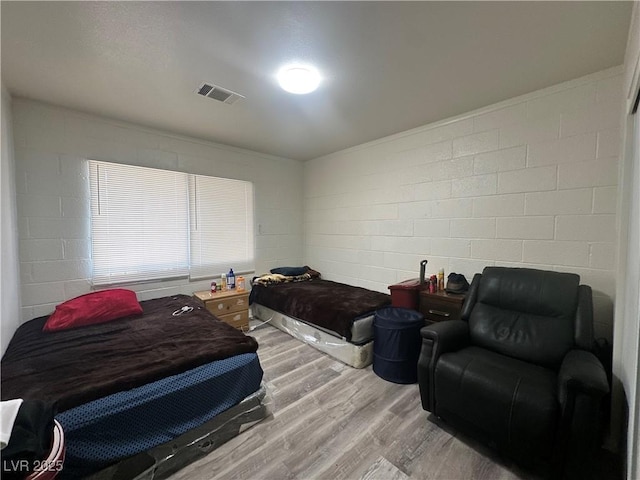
x=218 y=93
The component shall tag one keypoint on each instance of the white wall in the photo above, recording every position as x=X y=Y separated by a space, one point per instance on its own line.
x=626 y=353
x=51 y=145
x=530 y=182
x=10 y=280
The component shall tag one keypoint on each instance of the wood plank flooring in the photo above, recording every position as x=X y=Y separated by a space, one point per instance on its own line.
x=332 y=421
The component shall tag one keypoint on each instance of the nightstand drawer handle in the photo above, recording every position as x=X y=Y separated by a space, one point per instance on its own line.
x=440 y=313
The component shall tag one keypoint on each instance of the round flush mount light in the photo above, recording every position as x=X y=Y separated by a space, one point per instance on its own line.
x=298 y=79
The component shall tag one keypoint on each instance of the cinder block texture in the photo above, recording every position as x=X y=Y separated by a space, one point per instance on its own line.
x=530 y=182
x=52 y=184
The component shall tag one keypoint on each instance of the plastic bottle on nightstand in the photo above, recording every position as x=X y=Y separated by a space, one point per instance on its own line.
x=441 y=280
x=223 y=282
x=231 y=280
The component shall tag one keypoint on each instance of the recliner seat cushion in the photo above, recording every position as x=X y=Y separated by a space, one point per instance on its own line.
x=504 y=400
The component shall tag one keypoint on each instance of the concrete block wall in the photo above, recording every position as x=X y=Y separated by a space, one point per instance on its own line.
x=52 y=192
x=530 y=182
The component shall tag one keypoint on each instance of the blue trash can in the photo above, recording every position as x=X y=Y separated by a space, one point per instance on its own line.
x=396 y=344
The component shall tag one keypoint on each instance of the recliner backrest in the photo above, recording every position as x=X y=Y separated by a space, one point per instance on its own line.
x=526 y=314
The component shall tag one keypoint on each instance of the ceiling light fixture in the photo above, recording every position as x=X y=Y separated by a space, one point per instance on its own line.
x=299 y=79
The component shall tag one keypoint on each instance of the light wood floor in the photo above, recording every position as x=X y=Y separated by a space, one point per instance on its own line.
x=332 y=421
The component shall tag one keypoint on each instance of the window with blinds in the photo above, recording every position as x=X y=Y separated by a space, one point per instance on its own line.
x=150 y=224
x=221 y=225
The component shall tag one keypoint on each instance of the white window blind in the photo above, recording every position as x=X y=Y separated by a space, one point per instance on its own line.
x=221 y=226
x=139 y=223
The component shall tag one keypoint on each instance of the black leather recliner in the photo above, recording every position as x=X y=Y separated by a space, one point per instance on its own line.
x=517 y=372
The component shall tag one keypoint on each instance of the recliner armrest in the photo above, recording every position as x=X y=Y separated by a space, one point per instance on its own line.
x=437 y=339
x=582 y=383
x=581 y=371
x=447 y=336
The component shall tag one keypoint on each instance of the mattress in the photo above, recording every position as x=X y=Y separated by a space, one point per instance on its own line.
x=357 y=356
x=162 y=461
x=76 y=366
x=360 y=331
x=336 y=308
x=132 y=384
x=123 y=424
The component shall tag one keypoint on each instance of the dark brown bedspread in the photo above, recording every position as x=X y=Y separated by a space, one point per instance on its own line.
x=72 y=367
x=324 y=303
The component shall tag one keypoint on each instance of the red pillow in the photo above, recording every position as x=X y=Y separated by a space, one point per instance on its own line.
x=95 y=307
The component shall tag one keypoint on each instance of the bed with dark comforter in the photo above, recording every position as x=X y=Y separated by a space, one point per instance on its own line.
x=334 y=317
x=132 y=384
x=330 y=305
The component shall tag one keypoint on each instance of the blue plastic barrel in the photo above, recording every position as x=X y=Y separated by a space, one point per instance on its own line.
x=396 y=344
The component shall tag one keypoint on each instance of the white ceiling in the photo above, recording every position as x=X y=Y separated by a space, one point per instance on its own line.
x=387 y=66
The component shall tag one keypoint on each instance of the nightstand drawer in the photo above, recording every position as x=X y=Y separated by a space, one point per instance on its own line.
x=224 y=306
x=231 y=306
x=239 y=320
x=440 y=306
x=439 y=312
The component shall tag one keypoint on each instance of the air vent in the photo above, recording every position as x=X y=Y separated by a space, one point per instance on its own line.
x=218 y=93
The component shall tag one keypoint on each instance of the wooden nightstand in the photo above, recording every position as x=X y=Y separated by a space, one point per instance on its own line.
x=440 y=306
x=231 y=306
